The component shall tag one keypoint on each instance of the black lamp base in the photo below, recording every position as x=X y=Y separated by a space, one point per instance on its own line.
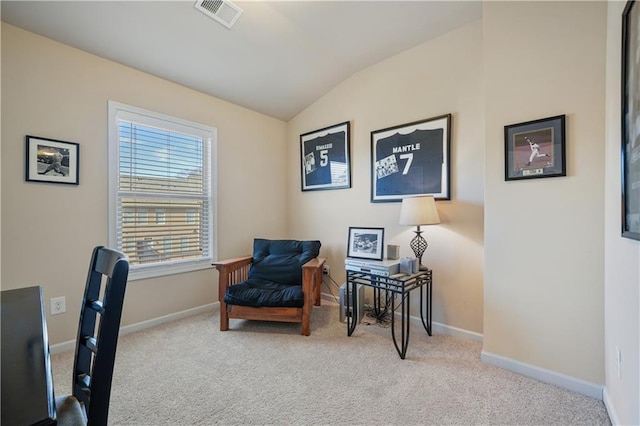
x=419 y=245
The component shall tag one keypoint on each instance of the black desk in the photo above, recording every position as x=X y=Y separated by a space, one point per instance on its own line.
x=27 y=385
x=400 y=285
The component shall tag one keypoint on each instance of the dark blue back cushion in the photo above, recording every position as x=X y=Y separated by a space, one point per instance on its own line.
x=281 y=261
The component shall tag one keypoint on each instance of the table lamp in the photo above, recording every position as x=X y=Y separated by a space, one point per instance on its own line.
x=418 y=211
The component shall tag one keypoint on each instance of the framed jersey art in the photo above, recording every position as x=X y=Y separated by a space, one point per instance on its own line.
x=411 y=160
x=326 y=163
x=631 y=121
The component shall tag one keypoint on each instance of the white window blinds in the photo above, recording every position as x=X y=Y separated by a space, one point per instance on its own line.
x=163 y=198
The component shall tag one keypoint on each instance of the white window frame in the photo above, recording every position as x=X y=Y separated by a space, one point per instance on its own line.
x=143 y=216
x=161 y=217
x=191 y=216
x=118 y=111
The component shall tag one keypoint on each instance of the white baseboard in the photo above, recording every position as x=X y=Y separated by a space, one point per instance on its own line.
x=590 y=389
x=436 y=327
x=453 y=331
x=547 y=376
x=326 y=297
x=449 y=330
x=132 y=328
x=608 y=403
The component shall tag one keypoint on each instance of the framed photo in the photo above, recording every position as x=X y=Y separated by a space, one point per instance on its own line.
x=50 y=160
x=366 y=243
x=326 y=163
x=631 y=121
x=411 y=160
x=535 y=149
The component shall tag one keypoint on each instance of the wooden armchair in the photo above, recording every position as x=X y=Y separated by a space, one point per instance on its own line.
x=279 y=282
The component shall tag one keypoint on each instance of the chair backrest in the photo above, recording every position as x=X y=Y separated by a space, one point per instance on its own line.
x=281 y=260
x=98 y=332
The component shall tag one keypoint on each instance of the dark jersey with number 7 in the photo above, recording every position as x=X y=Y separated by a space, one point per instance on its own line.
x=410 y=164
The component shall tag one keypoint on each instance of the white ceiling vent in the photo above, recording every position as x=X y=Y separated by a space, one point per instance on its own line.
x=222 y=11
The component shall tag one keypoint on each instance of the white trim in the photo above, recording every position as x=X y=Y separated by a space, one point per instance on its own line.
x=592 y=390
x=118 y=111
x=132 y=328
x=168 y=269
x=547 y=376
x=608 y=403
x=333 y=300
x=454 y=331
x=436 y=327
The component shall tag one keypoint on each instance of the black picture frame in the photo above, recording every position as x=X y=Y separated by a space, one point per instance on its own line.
x=365 y=243
x=52 y=161
x=412 y=160
x=325 y=158
x=535 y=149
x=630 y=149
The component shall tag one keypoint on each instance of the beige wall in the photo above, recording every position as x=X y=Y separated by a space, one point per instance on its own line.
x=566 y=316
x=622 y=255
x=544 y=241
x=48 y=231
x=439 y=77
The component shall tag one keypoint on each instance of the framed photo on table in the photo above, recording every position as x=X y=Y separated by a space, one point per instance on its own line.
x=535 y=149
x=53 y=161
x=326 y=163
x=631 y=121
x=366 y=243
x=411 y=160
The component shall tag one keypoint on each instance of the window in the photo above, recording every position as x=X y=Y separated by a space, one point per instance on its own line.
x=143 y=216
x=191 y=216
x=129 y=215
x=161 y=168
x=160 y=217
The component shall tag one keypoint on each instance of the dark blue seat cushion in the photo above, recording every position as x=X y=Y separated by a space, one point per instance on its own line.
x=259 y=293
x=275 y=277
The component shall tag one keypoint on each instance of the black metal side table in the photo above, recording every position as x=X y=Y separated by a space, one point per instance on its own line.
x=400 y=285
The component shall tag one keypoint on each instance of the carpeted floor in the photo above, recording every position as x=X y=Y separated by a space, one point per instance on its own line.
x=187 y=372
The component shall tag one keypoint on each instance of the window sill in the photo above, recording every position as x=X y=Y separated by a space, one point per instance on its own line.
x=145 y=272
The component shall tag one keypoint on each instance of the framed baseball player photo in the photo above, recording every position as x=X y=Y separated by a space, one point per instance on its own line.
x=365 y=243
x=326 y=163
x=53 y=161
x=631 y=121
x=535 y=149
x=411 y=160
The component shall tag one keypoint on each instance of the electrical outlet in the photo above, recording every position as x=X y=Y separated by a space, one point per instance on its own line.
x=619 y=362
x=325 y=269
x=58 y=305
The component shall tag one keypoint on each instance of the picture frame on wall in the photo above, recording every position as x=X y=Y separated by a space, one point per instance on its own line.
x=535 y=149
x=325 y=158
x=630 y=149
x=52 y=161
x=411 y=160
x=365 y=243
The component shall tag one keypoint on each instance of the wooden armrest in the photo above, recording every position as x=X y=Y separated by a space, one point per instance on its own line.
x=316 y=262
x=231 y=271
x=232 y=264
x=311 y=283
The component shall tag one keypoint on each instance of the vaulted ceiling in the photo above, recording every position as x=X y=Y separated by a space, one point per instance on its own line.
x=278 y=58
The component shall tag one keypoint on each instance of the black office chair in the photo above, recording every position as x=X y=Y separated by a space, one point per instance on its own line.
x=96 y=346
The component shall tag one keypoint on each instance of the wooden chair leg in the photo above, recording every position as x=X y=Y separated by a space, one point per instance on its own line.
x=318 y=286
x=306 y=308
x=224 y=316
x=306 y=326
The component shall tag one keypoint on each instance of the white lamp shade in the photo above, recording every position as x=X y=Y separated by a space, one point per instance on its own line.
x=419 y=211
